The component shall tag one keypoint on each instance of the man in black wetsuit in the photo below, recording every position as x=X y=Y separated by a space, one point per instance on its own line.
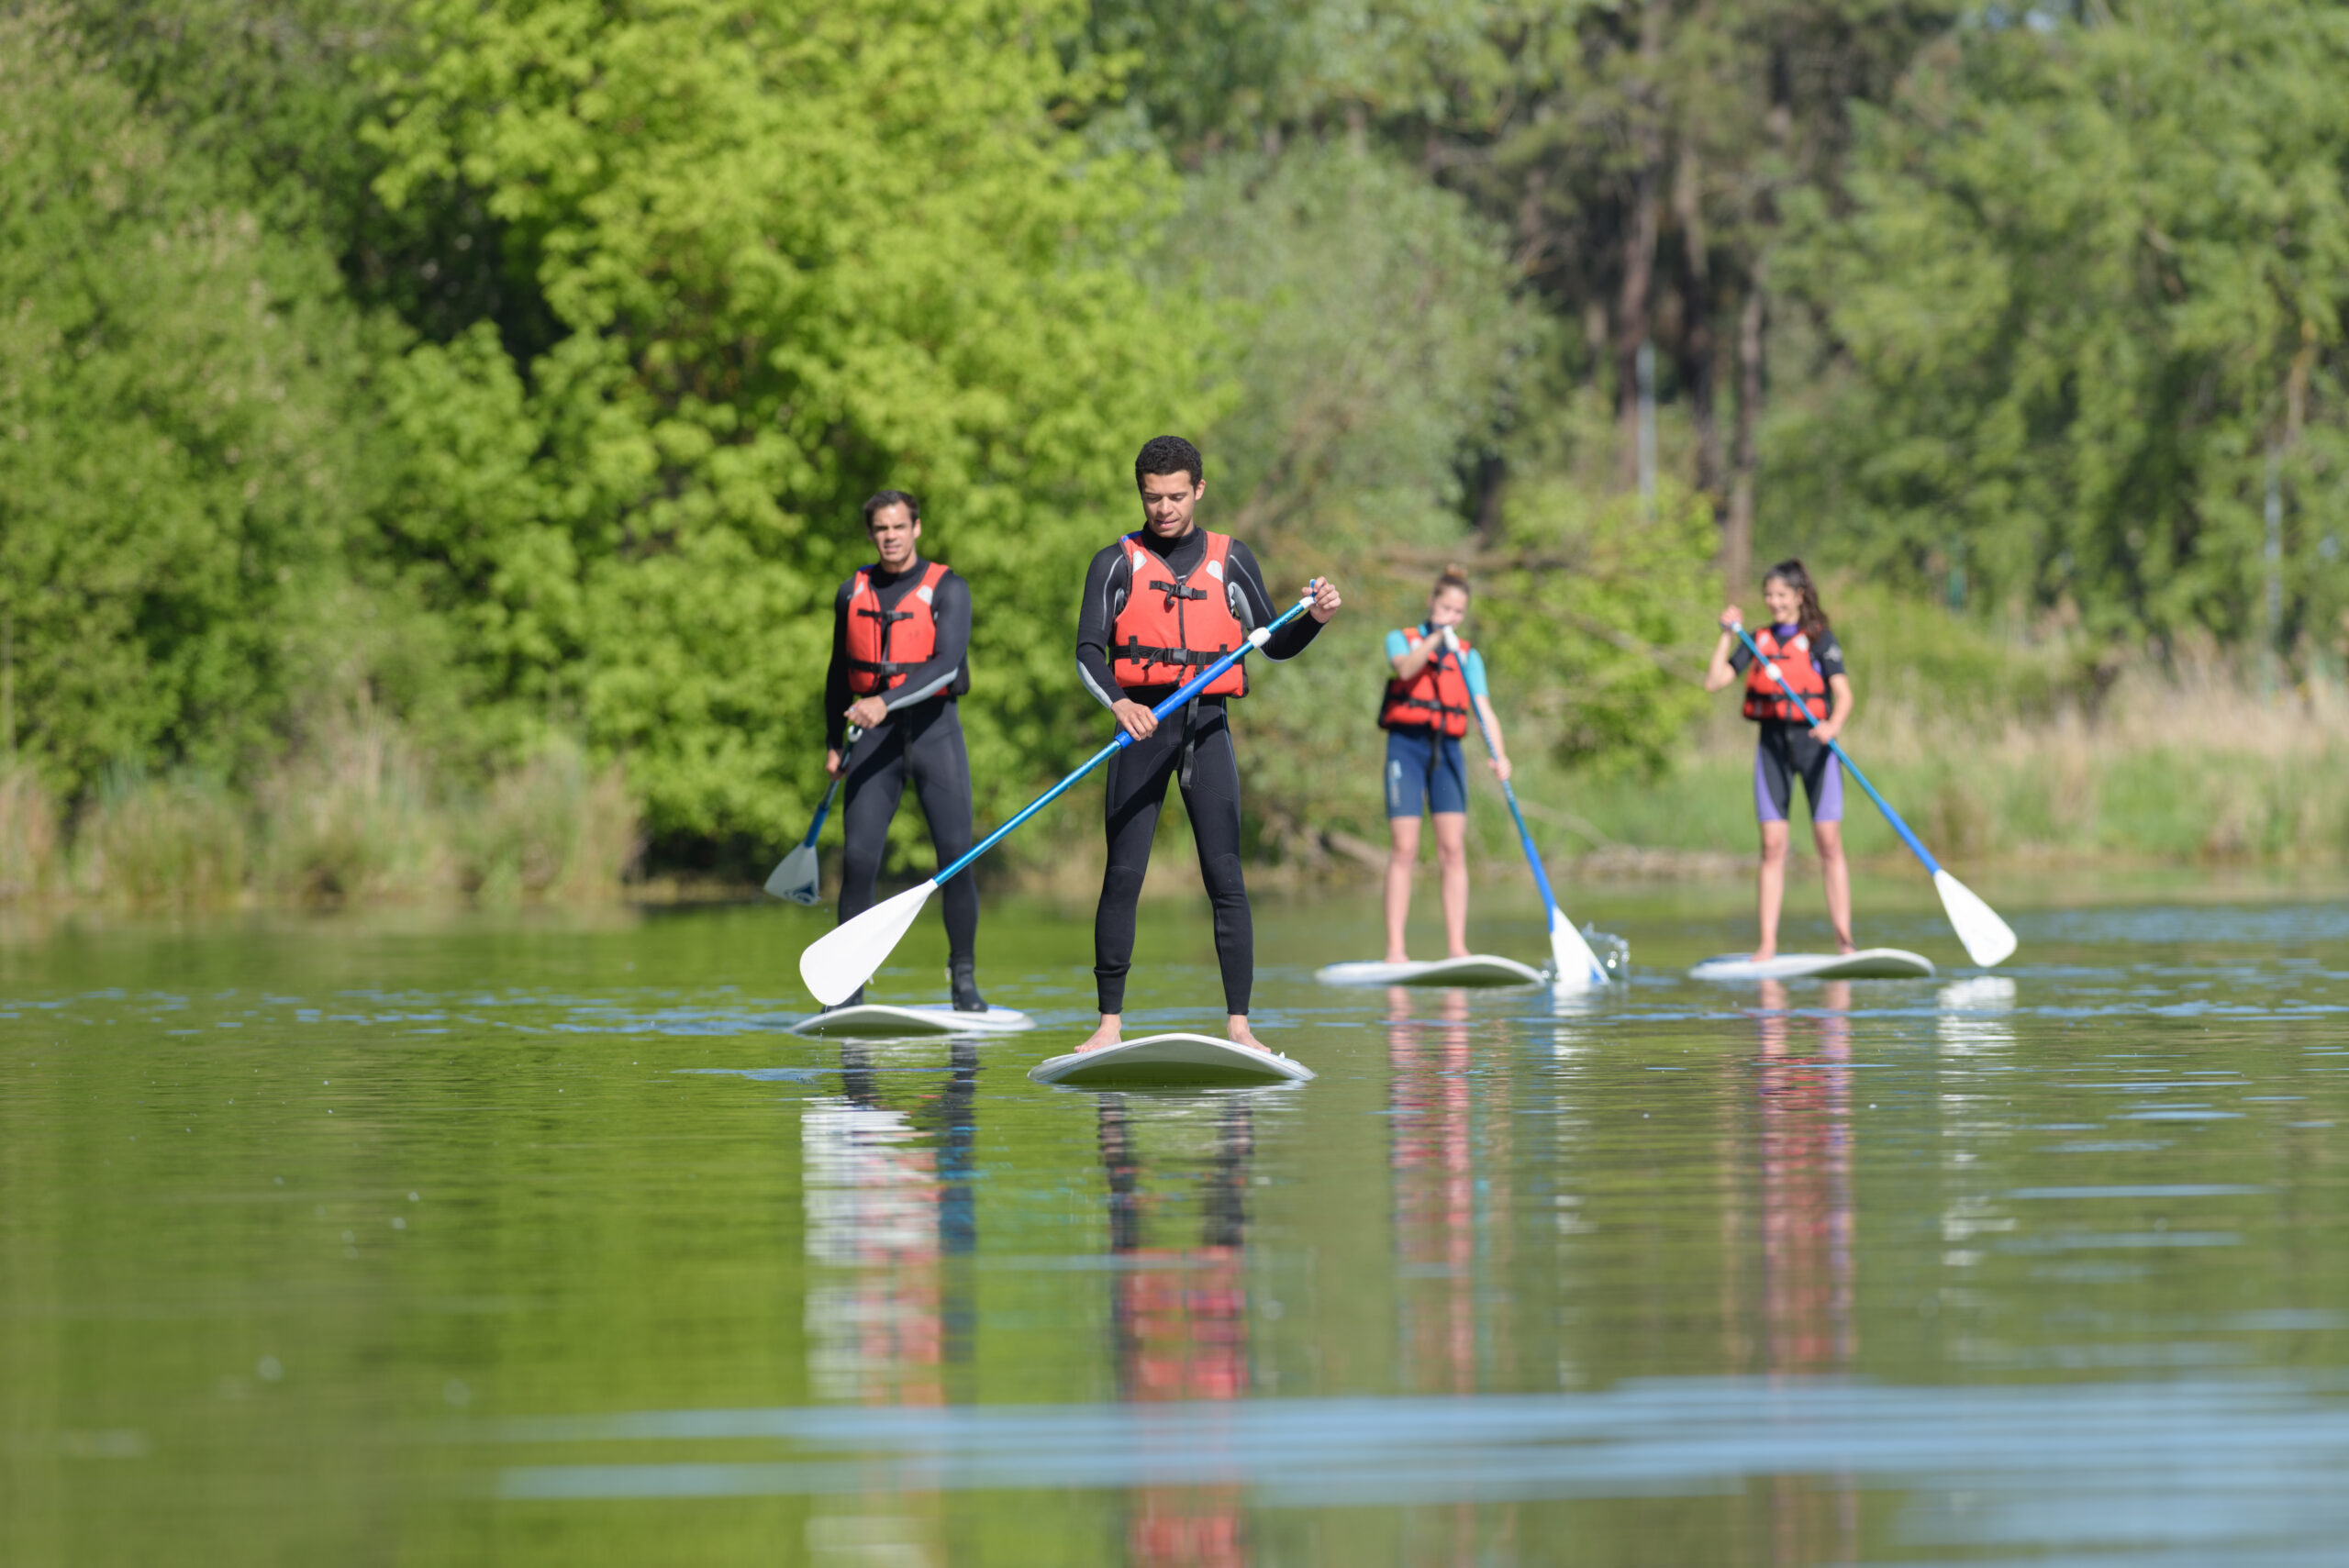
x=1211 y=583
x=901 y=637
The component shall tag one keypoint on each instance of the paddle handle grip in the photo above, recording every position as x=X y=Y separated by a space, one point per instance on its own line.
x=1183 y=693
x=1916 y=845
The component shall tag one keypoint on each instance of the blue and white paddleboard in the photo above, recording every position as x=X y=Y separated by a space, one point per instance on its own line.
x=1477 y=969
x=1173 y=1060
x=876 y=1020
x=1868 y=963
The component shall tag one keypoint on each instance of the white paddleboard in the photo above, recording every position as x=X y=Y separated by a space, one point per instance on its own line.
x=1477 y=969
x=1868 y=963
x=873 y=1021
x=1170 y=1059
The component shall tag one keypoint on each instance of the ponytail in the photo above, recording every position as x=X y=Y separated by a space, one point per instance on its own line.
x=1453 y=575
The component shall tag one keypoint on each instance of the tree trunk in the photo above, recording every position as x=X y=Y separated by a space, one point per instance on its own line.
x=1699 y=351
x=1737 y=529
x=1639 y=249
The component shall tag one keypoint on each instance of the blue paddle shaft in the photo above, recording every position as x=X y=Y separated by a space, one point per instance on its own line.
x=1524 y=834
x=1183 y=693
x=1914 y=844
x=816 y=826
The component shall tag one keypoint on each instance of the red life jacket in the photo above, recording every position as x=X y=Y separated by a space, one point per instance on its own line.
x=1763 y=697
x=1169 y=630
x=1437 y=697
x=880 y=650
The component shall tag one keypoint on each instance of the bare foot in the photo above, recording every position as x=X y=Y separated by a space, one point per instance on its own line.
x=1763 y=954
x=1396 y=955
x=1103 y=1038
x=1460 y=952
x=1238 y=1032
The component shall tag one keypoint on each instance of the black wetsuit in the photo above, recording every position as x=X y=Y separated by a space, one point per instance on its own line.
x=921 y=737
x=1192 y=748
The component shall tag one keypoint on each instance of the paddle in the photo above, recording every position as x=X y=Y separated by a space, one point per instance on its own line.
x=844 y=958
x=1987 y=939
x=1577 y=966
x=797 y=876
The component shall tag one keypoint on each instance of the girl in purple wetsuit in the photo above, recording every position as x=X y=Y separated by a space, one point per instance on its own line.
x=1800 y=643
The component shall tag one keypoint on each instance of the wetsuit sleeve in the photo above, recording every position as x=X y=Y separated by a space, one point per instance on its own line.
x=1396 y=646
x=949 y=606
x=1256 y=606
x=836 y=691
x=1472 y=670
x=1739 y=660
x=1828 y=654
x=1107 y=582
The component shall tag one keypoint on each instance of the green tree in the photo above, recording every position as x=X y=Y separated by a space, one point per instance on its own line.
x=184 y=461
x=796 y=251
x=2092 y=284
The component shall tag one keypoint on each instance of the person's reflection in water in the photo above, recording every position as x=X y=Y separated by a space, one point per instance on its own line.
x=1431 y=1154
x=1809 y=1328
x=1432 y=1161
x=1178 y=1317
x=892 y=1229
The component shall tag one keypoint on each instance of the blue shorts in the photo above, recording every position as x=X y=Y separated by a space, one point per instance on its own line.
x=1425 y=772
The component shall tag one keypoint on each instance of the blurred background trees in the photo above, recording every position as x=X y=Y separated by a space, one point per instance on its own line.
x=486 y=391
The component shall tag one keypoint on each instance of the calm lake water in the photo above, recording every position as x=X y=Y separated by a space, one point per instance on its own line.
x=532 y=1240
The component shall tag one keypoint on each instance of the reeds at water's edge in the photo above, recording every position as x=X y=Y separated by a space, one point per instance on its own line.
x=354 y=818
x=2192 y=765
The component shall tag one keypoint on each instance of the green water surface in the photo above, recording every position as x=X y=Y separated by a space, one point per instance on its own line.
x=534 y=1241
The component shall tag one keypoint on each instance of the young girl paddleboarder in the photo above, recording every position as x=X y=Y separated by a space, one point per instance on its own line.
x=1435 y=678
x=1802 y=648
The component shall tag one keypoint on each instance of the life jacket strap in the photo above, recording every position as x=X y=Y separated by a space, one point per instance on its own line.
x=1174 y=590
x=1134 y=652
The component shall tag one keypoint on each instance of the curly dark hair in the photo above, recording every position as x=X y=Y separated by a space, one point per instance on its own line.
x=885 y=499
x=1163 y=455
x=1793 y=573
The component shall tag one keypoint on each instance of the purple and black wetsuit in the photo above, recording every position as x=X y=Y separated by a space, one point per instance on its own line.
x=1785 y=752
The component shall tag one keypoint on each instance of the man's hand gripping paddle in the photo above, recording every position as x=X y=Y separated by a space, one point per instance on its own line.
x=1576 y=967
x=799 y=876
x=1987 y=939
x=844 y=958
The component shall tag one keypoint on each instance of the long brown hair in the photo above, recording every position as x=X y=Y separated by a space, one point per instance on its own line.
x=1811 y=620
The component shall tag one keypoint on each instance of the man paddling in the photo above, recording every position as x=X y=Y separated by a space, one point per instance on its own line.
x=901 y=634
x=1161 y=604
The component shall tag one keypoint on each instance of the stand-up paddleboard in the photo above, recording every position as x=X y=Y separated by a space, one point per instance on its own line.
x=1868 y=963
x=1477 y=969
x=873 y=1021
x=1181 y=1059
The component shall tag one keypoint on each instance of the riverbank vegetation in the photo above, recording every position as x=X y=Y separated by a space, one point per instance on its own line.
x=430 y=432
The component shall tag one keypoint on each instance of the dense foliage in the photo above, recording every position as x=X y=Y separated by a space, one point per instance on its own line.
x=510 y=373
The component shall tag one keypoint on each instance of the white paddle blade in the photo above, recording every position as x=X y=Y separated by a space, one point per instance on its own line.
x=1988 y=938
x=844 y=958
x=1577 y=965
x=797 y=876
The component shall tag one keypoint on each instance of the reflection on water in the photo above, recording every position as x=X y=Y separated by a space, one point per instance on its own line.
x=1807 y=1224
x=515 y=1243
x=891 y=1229
x=1178 y=1301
